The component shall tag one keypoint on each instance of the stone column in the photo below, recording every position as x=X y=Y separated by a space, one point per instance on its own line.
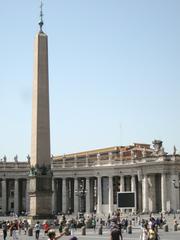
x=139 y=197
x=53 y=196
x=133 y=189
x=16 y=196
x=91 y=191
x=122 y=187
x=145 y=194
x=88 y=195
x=151 y=193
x=121 y=183
x=163 y=191
x=99 y=195
x=4 y=196
x=64 y=196
x=27 y=195
x=110 y=194
x=133 y=183
x=76 y=198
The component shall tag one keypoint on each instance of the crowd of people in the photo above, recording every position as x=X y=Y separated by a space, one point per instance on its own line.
x=149 y=232
x=66 y=225
x=13 y=227
x=149 y=227
x=19 y=227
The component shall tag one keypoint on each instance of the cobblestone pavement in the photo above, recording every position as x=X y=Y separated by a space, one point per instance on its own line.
x=91 y=235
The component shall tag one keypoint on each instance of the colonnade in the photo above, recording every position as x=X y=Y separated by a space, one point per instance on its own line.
x=100 y=193
x=91 y=192
x=13 y=195
x=154 y=192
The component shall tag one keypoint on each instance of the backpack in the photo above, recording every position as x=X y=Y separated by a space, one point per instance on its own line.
x=115 y=233
x=152 y=234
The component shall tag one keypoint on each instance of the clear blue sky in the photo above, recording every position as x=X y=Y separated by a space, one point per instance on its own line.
x=114 y=70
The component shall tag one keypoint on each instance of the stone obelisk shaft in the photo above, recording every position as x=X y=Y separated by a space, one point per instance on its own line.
x=40 y=192
x=40 y=148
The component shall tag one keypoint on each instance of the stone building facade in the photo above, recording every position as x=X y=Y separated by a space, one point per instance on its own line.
x=89 y=181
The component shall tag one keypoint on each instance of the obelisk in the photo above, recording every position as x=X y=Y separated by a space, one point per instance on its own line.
x=40 y=177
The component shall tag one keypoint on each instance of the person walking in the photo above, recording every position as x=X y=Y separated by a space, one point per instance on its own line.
x=72 y=227
x=94 y=223
x=14 y=231
x=26 y=226
x=37 y=228
x=144 y=234
x=4 y=228
x=46 y=227
x=119 y=224
x=20 y=226
x=116 y=233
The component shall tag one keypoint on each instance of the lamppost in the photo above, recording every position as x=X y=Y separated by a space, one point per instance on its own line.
x=81 y=193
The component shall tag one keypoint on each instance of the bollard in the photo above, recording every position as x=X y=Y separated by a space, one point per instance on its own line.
x=175 y=226
x=166 y=229
x=178 y=227
x=30 y=231
x=100 y=230
x=129 y=229
x=83 y=230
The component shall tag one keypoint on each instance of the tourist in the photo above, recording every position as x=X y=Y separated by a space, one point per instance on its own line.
x=115 y=233
x=108 y=221
x=152 y=234
x=72 y=227
x=94 y=223
x=10 y=224
x=60 y=227
x=46 y=227
x=119 y=224
x=4 y=228
x=13 y=229
x=52 y=235
x=126 y=224
x=37 y=229
x=144 y=234
x=20 y=226
x=26 y=226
